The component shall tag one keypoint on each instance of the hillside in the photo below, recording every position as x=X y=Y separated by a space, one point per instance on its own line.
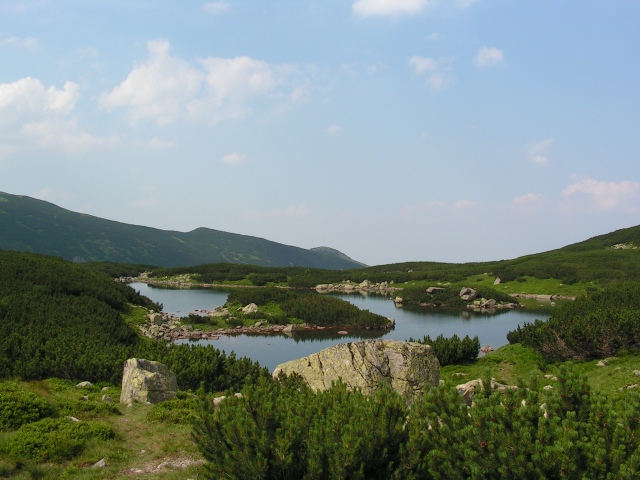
x=31 y=225
x=605 y=258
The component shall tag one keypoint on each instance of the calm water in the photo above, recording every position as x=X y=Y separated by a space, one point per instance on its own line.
x=273 y=350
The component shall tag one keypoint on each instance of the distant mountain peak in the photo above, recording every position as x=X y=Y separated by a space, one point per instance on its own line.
x=335 y=253
x=31 y=225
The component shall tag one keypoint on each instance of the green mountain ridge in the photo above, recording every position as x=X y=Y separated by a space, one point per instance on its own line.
x=37 y=226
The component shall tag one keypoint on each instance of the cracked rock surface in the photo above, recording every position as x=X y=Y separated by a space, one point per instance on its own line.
x=409 y=367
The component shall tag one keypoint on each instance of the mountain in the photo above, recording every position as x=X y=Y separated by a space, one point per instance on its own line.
x=31 y=225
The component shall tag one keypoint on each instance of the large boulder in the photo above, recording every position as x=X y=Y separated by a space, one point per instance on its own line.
x=409 y=367
x=147 y=381
x=468 y=294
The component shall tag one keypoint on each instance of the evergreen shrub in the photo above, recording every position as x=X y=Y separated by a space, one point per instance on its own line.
x=19 y=407
x=56 y=439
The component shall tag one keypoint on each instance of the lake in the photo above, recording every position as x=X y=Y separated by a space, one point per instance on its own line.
x=273 y=350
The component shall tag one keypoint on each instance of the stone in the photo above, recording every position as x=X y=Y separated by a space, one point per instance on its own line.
x=497 y=281
x=156 y=318
x=251 y=308
x=84 y=385
x=409 y=367
x=147 y=381
x=468 y=390
x=107 y=399
x=432 y=290
x=100 y=464
x=468 y=294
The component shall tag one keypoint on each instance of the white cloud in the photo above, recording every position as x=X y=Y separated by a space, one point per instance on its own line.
x=368 y=8
x=216 y=7
x=437 y=71
x=159 y=88
x=16 y=42
x=605 y=195
x=233 y=159
x=333 y=129
x=538 y=152
x=526 y=203
x=28 y=100
x=33 y=116
x=166 y=88
x=489 y=57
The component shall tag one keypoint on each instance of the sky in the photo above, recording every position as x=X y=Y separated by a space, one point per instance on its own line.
x=391 y=130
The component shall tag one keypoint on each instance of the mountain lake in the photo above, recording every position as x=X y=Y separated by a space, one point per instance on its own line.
x=272 y=350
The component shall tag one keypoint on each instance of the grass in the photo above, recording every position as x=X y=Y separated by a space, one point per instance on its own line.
x=513 y=362
x=141 y=445
x=527 y=285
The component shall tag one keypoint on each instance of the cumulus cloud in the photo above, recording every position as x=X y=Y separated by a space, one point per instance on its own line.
x=369 y=8
x=538 y=152
x=603 y=195
x=165 y=88
x=216 y=7
x=489 y=57
x=158 y=88
x=27 y=100
x=528 y=203
x=233 y=159
x=437 y=71
x=35 y=116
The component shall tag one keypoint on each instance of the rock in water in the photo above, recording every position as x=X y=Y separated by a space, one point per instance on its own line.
x=409 y=367
x=147 y=381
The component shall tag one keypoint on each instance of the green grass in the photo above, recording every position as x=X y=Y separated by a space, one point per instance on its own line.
x=140 y=443
x=513 y=362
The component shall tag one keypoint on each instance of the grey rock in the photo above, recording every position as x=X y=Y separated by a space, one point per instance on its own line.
x=147 y=381
x=408 y=367
x=468 y=390
x=251 y=308
x=467 y=294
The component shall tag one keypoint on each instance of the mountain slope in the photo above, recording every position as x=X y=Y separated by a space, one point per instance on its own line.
x=28 y=224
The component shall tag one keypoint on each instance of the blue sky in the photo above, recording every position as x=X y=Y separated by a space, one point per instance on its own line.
x=392 y=130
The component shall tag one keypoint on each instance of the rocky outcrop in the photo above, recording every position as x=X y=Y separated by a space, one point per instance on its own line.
x=147 y=381
x=409 y=367
x=248 y=309
x=364 y=287
x=541 y=297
